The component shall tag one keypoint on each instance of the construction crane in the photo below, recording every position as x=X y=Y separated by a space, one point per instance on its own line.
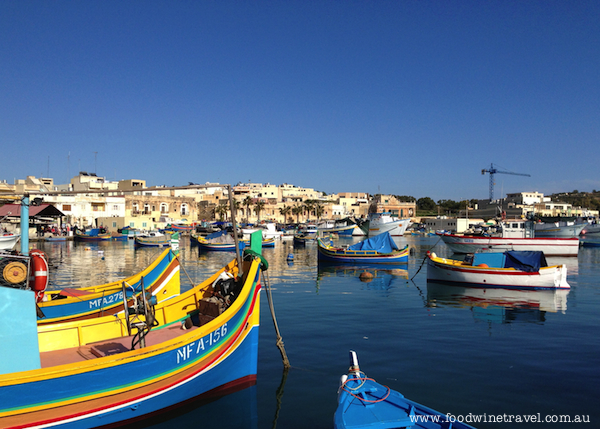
x=493 y=171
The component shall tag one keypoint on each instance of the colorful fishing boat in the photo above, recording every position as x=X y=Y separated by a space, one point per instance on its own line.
x=510 y=270
x=161 y=279
x=517 y=234
x=364 y=403
x=94 y=234
x=179 y=227
x=56 y=238
x=266 y=243
x=380 y=249
x=220 y=241
x=160 y=241
x=118 y=370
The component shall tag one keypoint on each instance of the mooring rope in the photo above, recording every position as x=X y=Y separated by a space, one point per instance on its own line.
x=279 y=342
x=425 y=258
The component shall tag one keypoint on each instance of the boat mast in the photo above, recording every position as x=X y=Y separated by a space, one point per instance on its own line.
x=235 y=235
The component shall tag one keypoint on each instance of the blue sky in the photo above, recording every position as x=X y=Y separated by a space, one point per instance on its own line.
x=401 y=97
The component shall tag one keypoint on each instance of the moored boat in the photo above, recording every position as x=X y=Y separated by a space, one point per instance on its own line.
x=269 y=231
x=158 y=241
x=380 y=249
x=161 y=278
x=558 y=229
x=364 y=403
x=509 y=269
x=8 y=241
x=379 y=223
x=94 y=234
x=118 y=370
x=343 y=227
x=517 y=234
x=219 y=241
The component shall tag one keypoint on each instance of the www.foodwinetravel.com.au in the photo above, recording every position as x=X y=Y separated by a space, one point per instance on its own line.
x=501 y=418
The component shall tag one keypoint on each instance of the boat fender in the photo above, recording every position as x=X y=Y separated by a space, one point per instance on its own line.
x=433 y=255
x=38 y=280
x=290 y=257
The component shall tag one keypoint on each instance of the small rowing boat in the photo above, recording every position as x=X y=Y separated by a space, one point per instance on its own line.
x=363 y=403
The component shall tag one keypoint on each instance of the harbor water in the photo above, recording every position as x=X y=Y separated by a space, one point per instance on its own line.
x=495 y=358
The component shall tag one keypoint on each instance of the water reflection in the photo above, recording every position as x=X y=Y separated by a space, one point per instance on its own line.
x=374 y=278
x=499 y=305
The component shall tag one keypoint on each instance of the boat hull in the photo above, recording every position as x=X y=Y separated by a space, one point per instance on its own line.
x=7 y=242
x=364 y=403
x=451 y=272
x=563 y=231
x=550 y=246
x=335 y=255
x=152 y=241
x=161 y=278
x=395 y=228
x=176 y=366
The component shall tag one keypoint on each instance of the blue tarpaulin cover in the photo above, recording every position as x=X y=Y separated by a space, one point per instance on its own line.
x=529 y=261
x=383 y=243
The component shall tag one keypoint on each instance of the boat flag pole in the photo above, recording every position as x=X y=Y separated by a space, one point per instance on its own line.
x=235 y=235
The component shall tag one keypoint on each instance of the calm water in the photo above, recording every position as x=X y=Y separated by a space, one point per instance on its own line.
x=456 y=350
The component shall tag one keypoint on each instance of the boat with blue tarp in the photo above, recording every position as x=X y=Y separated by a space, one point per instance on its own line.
x=381 y=249
x=512 y=269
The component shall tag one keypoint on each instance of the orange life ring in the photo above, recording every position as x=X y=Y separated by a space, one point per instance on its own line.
x=38 y=279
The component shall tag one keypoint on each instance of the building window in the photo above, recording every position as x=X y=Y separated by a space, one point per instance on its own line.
x=144 y=224
x=132 y=224
x=164 y=208
x=114 y=224
x=97 y=207
x=66 y=207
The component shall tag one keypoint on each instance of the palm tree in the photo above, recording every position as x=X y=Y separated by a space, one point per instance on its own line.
x=236 y=206
x=285 y=211
x=258 y=206
x=221 y=210
x=297 y=211
x=308 y=207
x=319 y=209
x=248 y=203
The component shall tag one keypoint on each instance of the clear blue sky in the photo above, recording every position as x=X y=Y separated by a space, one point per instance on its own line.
x=402 y=97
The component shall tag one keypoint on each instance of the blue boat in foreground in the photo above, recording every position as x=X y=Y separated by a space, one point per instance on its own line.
x=364 y=403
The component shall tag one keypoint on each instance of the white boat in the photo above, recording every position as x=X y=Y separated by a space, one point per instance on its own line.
x=517 y=234
x=343 y=227
x=8 y=241
x=558 y=229
x=385 y=222
x=510 y=270
x=269 y=230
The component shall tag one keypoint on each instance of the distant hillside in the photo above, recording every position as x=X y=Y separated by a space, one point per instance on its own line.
x=588 y=200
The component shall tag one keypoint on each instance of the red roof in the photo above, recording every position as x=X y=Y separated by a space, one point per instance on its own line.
x=14 y=210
